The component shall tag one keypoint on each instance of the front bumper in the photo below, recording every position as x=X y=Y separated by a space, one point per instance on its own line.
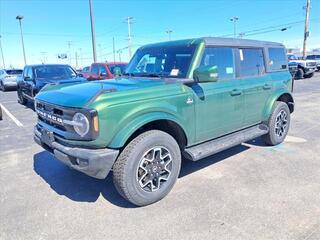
x=96 y=163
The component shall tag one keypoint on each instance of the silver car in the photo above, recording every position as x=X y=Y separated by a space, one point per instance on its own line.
x=8 y=78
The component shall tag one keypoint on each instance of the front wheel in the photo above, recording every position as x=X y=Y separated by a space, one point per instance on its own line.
x=2 y=87
x=21 y=99
x=278 y=124
x=147 y=168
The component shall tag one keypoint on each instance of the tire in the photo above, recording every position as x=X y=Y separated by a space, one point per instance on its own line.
x=309 y=75
x=278 y=123
x=2 y=87
x=133 y=168
x=299 y=74
x=21 y=98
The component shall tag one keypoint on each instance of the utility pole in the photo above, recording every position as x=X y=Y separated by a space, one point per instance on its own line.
x=306 y=30
x=129 y=35
x=234 y=19
x=4 y=65
x=114 y=50
x=19 y=17
x=169 y=31
x=76 y=56
x=119 y=52
x=93 y=34
x=69 y=47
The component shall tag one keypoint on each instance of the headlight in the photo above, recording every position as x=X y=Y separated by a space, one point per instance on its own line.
x=81 y=124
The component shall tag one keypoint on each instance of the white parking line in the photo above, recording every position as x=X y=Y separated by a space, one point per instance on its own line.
x=13 y=118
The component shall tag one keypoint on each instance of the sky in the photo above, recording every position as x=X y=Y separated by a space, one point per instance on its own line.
x=50 y=25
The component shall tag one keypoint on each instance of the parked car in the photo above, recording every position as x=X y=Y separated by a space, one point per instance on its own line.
x=35 y=77
x=316 y=58
x=179 y=98
x=99 y=71
x=8 y=78
x=293 y=68
x=85 y=69
x=306 y=68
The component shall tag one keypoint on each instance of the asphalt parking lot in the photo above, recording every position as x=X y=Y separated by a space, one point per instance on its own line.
x=248 y=192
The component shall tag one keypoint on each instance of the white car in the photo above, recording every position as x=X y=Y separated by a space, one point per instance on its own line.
x=315 y=57
x=8 y=78
x=306 y=68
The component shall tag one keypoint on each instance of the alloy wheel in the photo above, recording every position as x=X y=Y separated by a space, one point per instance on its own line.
x=281 y=123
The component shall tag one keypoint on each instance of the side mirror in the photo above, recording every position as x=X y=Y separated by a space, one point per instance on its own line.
x=117 y=71
x=206 y=74
x=27 y=79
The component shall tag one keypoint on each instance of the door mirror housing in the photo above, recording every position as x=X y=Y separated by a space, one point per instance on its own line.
x=27 y=79
x=117 y=71
x=206 y=74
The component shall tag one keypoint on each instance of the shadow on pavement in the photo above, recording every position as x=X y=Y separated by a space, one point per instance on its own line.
x=82 y=188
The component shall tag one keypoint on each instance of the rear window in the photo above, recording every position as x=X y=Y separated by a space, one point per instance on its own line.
x=251 y=62
x=14 y=72
x=277 y=59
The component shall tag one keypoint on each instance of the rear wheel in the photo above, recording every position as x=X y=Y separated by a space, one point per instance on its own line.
x=278 y=124
x=147 y=168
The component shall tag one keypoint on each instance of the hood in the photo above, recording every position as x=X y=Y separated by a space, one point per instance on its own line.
x=42 y=83
x=80 y=94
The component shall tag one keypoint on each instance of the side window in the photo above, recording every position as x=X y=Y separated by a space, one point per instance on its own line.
x=25 y=72
x=277 y=59
x=102 y=69
x=222 y=58
x=251 y=62
x=29 y=72
x=95 y=69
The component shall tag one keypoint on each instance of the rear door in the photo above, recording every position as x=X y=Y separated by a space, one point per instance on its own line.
x=256 y=84
x=219 y=105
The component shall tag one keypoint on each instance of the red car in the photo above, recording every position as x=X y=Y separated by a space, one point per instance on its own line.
x=99 y=71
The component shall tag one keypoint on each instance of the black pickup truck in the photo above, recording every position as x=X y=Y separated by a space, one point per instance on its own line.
x=35 y=77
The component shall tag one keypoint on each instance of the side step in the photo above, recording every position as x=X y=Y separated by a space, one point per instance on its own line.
x=206 y=149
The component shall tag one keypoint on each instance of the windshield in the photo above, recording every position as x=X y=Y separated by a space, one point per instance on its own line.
x=14 y=72
x=292 y=57
x=313 y=57
x=171 y=61
x=54 y=72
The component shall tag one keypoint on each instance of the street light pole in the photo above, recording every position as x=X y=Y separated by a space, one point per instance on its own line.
x=4 y=66
x=19 y=17
x=169 y=31
x=92 y=33
x=234 y=19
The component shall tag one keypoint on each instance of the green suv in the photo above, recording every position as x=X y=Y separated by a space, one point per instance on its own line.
x=181 y=99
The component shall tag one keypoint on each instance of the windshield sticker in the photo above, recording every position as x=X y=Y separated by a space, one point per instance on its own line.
x=229 y=70
x=174 y=72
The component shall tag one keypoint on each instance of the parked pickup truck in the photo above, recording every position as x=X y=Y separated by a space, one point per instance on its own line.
x=99 y=71
x=315 y=57
x=35 y=77
x=306 y=68
x=190 y=98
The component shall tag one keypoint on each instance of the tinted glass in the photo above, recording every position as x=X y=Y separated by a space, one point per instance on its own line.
x=95 y=69
x=86 y=69
x=55 y=72
x=29 y=73
x=121 y=66
x=251 y=62
x=277 y=59
x=171 y=61
x=292 y=57
x=222 y=58
x=14 y=72
x=102 y=69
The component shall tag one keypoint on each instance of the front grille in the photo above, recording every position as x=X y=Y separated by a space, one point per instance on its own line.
x=311 y=64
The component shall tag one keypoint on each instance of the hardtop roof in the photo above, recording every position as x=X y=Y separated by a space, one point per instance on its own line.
x=217 y=41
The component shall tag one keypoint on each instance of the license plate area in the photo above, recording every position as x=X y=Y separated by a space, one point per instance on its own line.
x=47 y=137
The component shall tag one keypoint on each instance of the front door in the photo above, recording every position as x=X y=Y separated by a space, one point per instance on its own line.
x=219 y=105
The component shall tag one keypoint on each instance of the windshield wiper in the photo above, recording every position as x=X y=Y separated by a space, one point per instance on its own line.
x=128 y=74
x=152 y=75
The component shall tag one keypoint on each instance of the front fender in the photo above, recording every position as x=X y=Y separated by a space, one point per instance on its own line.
x=126 y=131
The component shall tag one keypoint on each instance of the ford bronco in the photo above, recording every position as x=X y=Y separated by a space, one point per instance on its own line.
x=181 y=99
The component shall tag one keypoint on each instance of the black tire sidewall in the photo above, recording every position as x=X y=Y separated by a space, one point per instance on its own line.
x=161 y=139
x=299 y=74
x=278 y=108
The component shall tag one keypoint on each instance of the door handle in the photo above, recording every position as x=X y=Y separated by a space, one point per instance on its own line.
x=267 y=86
x=236 y=92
